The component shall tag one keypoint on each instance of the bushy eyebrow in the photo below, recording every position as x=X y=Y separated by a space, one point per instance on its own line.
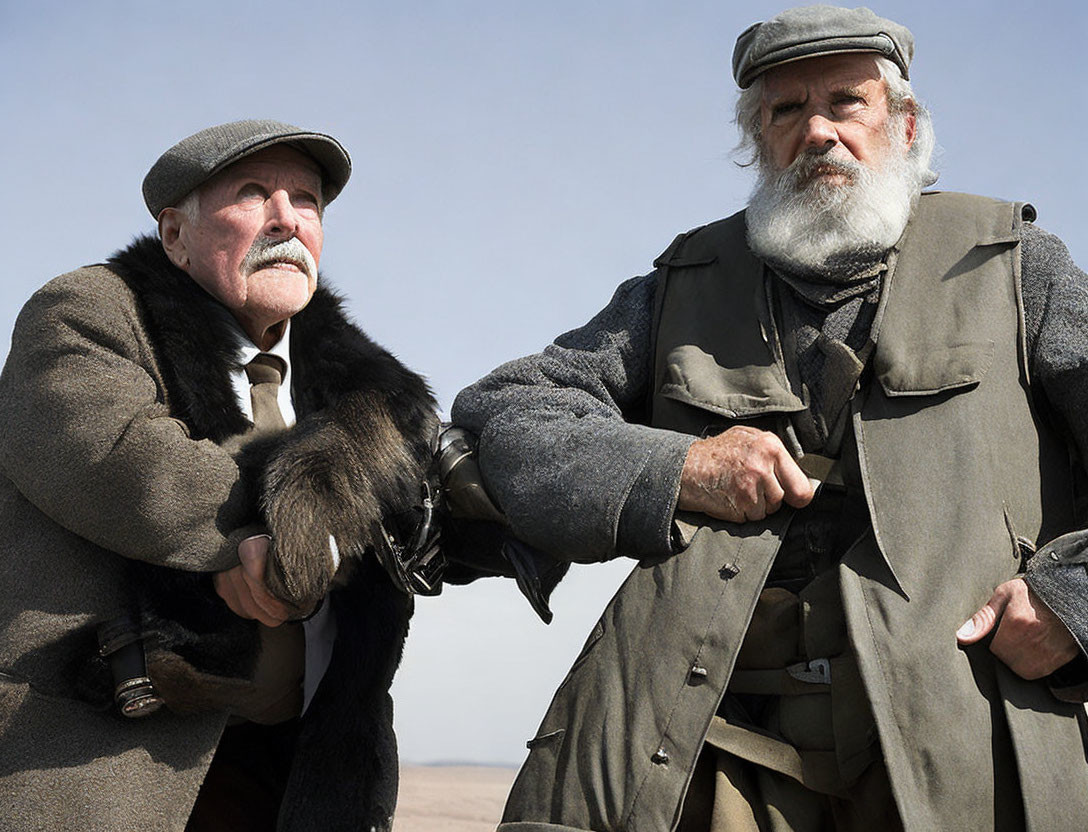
x=774 y=100
x=851 y=90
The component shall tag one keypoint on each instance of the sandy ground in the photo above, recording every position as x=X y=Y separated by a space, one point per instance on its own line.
x=451 y=798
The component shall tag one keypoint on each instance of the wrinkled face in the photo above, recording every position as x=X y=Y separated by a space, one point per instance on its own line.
x=834 y=106
x=273 y=196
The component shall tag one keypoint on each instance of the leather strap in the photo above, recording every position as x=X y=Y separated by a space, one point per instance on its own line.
x=789 y=681
x=822 y=468
x=816 y=770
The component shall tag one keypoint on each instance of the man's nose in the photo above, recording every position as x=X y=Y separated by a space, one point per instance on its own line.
x=820 y=133
x=282 y=219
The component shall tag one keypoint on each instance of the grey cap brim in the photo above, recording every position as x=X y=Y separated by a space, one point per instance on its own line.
x=194 y=160
x=811 y=31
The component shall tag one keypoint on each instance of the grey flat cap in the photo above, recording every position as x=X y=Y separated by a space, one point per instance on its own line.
x=808 y=31
x=193 y=161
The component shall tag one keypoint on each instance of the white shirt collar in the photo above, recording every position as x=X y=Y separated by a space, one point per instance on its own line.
x=247 y=351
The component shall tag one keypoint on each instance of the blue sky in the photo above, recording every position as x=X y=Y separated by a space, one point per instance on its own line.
x=513 y=162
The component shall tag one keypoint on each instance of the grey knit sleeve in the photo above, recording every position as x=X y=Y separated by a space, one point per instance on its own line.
x=561 y=448
x=1055 y=296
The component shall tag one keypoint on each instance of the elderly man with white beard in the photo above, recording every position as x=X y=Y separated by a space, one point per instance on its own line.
x=842 y=434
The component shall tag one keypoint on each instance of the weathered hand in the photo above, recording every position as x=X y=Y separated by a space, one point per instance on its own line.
x=741 y=474
x=1030 y=638
x=243 y=588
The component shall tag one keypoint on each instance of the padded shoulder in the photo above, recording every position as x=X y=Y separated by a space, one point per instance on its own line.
x=702 y=245
x=989 y=221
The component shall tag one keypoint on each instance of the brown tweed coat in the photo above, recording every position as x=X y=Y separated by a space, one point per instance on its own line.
x=115 y=404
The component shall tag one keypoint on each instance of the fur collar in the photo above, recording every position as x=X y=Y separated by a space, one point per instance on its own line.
x=194 y=337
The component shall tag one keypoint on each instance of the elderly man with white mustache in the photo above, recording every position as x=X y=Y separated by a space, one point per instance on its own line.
x=842 y=432
x=193 y=434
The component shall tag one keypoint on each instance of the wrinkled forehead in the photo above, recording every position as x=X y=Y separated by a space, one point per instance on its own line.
x=823 y=74
x=279 y=162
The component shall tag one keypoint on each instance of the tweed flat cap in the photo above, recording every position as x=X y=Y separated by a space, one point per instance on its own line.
x=808 y=31
x=193 y=161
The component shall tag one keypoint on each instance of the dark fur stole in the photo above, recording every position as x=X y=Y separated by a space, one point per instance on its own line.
x=357 y=455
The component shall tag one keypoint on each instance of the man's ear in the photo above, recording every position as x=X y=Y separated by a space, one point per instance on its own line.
x=912 y=122
x=171 y=223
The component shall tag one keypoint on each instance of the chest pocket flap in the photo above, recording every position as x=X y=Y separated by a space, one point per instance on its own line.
x=694 y=377
x=922 y=371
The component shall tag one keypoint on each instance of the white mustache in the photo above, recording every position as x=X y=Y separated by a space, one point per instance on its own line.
x=805 y=167
x=266 y=252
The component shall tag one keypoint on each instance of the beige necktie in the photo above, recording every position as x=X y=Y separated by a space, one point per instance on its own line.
x=265 y=374
x=276 y=693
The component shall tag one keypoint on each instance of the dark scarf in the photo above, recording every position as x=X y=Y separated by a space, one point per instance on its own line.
x=827 y=323
x=344 y=770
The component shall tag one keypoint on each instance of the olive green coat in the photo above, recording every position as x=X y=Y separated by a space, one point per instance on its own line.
x=957 y=468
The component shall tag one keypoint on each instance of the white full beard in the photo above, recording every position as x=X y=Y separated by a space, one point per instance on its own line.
x=810 y=226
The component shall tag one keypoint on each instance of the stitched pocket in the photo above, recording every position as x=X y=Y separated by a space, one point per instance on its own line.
x=928 y=372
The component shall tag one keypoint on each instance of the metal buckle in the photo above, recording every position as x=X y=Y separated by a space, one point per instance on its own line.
x=417 y=568
x=413 y=573
x=137 y=697
x=815 y=672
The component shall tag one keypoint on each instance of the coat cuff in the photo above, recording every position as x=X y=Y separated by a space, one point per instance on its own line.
x=645 y=528
x=1058 y=574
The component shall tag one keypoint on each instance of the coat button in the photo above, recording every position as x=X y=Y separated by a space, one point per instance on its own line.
x=660 y=757
x=730 y=570
x=697 y=675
